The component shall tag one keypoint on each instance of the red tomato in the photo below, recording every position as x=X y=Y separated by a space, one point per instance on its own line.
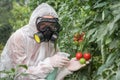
x=78 y=55
x=87 y=56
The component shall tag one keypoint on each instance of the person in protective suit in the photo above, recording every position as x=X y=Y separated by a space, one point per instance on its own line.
x=34 y=46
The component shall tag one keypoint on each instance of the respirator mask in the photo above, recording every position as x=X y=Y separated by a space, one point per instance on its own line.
x=48 y=29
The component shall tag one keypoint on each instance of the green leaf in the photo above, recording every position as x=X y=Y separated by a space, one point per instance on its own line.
x=114 y=44
x=115 y=6
x=24 y=74
x=103 y=15
x=118 y=75
x=118 y=62
x=108 y=40
x=110 y=59
x=23 y=66
x=101 y=69
x=112 y=77
x=94 y=36
x=102 y=31
x=100 y=5
x=88 y=24
x=12 y=69
x=107 y=64
x=111 y=26
x=90 y=32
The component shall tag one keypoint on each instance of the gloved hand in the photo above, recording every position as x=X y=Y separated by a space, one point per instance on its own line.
x=58 y=60
x=75 y=65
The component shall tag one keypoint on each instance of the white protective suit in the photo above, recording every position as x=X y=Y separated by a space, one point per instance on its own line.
x=21 y=48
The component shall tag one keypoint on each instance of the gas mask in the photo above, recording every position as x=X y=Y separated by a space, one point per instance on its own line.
x=48 y=29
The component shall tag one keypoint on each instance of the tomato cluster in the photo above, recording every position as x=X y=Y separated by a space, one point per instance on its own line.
x=78 y=37
x=83 y=57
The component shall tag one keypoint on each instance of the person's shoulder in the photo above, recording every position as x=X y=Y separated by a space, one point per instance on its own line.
x=18 y=32
x=15 y=36
x=21 y=30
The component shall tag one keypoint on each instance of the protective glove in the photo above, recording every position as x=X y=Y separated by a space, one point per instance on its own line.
x=58 y=60
x=75 y=65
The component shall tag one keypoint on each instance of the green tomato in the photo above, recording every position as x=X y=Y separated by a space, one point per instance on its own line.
x=82 y=61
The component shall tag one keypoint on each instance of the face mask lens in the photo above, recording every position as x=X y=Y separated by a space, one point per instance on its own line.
x=42 y=26
x=52 y=26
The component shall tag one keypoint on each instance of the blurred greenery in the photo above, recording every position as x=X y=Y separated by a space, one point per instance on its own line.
x=5 y=15
x=98 y=19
